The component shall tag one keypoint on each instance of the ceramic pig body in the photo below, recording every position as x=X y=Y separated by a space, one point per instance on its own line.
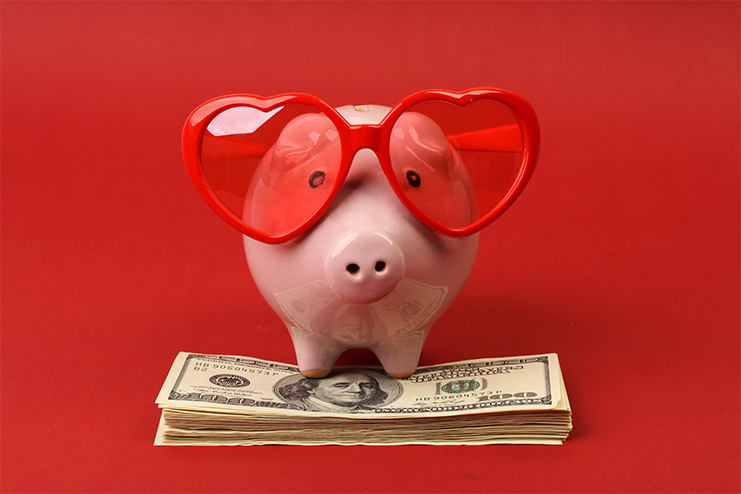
x=361 y=223
x=367 y=275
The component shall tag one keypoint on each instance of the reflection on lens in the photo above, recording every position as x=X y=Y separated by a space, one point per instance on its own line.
x=463 y=160
x=274 y=169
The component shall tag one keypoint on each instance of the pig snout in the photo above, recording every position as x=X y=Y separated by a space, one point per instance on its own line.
x=364 y=266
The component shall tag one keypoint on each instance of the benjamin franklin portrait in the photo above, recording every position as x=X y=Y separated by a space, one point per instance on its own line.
x=343 y=391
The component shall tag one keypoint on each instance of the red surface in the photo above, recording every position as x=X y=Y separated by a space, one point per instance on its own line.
x=622 y=255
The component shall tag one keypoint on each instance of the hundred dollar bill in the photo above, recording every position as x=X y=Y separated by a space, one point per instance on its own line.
x=248 y=386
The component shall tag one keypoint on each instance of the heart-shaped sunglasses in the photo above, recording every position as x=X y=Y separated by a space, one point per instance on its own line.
x=271 y=166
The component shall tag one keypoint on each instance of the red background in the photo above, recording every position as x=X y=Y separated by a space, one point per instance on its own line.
x=622 y=255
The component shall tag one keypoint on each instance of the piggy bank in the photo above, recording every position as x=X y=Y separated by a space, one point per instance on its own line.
x=361 y=223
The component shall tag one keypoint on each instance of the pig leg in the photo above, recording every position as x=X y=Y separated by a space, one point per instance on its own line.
x=399 y=354
x=316 y=354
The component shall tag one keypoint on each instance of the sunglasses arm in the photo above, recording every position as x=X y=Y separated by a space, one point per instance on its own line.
x=501 y=138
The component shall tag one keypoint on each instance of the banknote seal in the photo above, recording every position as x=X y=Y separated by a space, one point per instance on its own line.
x=229 y=381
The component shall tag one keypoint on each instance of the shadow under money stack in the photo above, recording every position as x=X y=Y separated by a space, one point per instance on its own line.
x=228 y=400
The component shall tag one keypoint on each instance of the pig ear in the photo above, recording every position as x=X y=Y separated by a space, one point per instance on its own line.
x=239 y=120
x=226 y=126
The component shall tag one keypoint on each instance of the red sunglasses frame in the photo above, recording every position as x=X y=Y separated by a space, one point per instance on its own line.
x=353 y=138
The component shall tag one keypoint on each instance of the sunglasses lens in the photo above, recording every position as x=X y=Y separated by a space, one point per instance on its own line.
x=271 y=169
x=457 y=163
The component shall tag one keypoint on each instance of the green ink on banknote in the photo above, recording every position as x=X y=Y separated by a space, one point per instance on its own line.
x=460 y=386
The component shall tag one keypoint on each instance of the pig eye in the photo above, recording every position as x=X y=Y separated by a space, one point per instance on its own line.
x=414 y=179
x=316 y=179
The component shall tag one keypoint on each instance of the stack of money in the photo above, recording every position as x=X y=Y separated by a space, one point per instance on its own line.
x=229 y=400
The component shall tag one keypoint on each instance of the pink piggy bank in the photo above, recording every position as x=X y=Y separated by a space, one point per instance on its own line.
x=360 y=223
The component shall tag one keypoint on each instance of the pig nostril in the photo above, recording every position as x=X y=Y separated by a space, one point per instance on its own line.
x=364 y=266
